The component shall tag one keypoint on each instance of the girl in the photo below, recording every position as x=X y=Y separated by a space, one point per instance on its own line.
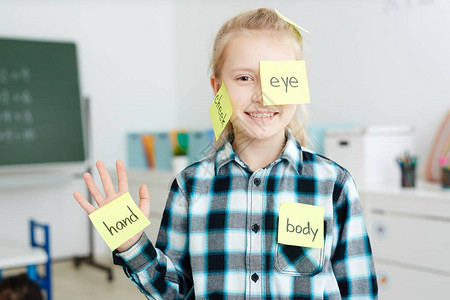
x=218 y=235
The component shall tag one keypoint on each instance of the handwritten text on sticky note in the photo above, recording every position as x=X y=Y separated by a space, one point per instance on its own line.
x=220 y=110
x=284 y=82
x=119 y=220
x=301 y=225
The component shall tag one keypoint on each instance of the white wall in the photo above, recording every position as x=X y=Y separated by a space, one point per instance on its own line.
x=145 y=66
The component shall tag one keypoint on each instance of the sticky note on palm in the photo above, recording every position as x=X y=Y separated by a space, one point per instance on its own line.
x=301 y=225
x=284 y=82
x=220 y=110
x=119 y=220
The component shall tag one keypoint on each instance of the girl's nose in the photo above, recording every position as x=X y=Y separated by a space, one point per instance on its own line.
x=257 y=97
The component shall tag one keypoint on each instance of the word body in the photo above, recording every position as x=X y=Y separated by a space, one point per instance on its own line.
x=305 y=230
x=301 y=225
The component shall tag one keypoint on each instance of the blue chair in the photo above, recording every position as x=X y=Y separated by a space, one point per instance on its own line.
x=14 y=255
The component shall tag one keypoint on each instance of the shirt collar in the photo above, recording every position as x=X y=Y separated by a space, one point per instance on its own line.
x=292 y=152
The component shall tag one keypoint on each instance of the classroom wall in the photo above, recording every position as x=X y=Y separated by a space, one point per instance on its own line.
x=144 y=64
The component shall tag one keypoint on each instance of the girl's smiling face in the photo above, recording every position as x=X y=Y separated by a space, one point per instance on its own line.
x=240 y=72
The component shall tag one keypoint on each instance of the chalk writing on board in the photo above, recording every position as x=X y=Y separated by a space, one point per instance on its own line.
x=16 y=114
x=18 y=74
x=19 y=97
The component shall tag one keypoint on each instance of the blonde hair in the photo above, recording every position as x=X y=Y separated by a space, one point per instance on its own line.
x=262 y=19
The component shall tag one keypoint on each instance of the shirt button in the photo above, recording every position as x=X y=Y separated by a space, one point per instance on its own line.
x=255 y=277
x=257 y=181
x=255 y=228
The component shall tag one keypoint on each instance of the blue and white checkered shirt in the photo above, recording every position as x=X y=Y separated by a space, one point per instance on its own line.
x=218 y=235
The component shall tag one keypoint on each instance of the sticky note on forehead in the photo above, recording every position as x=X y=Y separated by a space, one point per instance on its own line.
x=284 y=82
x=301 y=225
x=220 y=111
x=291 y=22
x=119 y=220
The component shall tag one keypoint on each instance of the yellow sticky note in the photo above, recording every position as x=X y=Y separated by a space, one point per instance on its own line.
x=291 y=22
x=119 y=220
x=220 y=110
x=284 y=82
x=301 y=225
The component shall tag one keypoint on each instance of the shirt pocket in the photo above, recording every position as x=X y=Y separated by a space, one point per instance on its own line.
x=298 y=261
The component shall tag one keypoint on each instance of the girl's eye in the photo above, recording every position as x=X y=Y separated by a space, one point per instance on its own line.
x=245 y=78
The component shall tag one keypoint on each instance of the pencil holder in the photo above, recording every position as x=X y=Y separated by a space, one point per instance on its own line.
x=408 y=176
x=446 y=177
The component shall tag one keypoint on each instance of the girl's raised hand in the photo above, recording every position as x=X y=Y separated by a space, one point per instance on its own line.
x=111 y=194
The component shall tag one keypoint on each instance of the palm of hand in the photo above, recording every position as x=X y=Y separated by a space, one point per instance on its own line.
x=111 y=194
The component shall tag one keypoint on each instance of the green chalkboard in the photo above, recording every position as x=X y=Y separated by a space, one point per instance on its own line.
x=40 y=111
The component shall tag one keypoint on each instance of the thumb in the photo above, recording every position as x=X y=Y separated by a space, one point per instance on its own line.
x=144 y=200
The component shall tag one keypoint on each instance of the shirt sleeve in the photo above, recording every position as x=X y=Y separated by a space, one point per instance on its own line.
x=352 y=259
x=162 y=272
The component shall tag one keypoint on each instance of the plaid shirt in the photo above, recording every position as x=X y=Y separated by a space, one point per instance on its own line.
x=218 y=233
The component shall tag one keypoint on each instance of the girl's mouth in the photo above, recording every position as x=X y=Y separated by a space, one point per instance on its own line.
x=261 y=116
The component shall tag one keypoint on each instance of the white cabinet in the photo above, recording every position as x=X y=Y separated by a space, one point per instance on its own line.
x=409 y=231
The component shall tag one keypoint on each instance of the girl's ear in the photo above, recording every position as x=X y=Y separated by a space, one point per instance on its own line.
x=215 y=84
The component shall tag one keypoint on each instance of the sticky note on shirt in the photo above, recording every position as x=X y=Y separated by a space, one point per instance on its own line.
x=284 y=82
x=119 y=220
x=301 y=225
x=220 y=110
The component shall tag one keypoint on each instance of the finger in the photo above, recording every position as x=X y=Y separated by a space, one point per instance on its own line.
x=84 y=203
x=144 y=200
x=93 y=189
x=108 y=186
x=122 y=177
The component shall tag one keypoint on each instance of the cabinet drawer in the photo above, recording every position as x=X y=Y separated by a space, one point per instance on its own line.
x=396 y=282
x=434 y=203
x=411 y=240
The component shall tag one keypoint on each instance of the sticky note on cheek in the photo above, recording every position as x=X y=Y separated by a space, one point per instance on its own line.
x=220 y=110
x=301 y=225
x=284 y=82
x=119 y=220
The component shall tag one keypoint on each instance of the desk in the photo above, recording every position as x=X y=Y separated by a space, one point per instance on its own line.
x=14 y=254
